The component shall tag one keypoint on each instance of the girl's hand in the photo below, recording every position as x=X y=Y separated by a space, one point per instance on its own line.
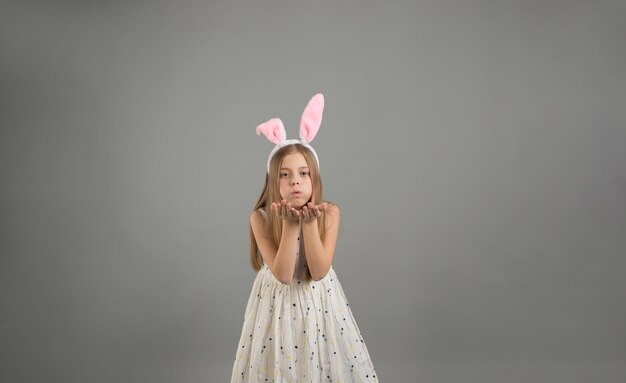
x=285 y=212
x=310 y=212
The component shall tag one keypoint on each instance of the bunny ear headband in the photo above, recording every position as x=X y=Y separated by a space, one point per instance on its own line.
x=310 y=123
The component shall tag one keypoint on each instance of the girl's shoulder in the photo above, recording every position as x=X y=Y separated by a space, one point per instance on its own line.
x=331 y=206
x=259 y=221
x=259 y=213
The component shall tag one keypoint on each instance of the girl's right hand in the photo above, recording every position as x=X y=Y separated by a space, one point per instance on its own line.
x=286 y=212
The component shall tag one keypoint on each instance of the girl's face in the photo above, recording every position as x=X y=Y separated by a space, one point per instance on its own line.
x=294 y=180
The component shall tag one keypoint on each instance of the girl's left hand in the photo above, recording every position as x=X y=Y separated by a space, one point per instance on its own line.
x=310 y=212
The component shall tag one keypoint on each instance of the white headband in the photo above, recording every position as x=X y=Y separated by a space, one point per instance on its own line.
x=310 y=123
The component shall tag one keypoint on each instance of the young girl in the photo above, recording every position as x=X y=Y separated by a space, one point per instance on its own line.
x=298 y=325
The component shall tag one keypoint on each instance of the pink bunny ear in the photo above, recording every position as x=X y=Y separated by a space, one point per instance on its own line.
x=311 y=118
x=273 y=129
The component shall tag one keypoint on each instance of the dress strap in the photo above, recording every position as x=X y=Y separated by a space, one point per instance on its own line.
x=262 y=211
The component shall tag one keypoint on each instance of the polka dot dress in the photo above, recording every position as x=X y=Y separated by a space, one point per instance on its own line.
x=301 y=332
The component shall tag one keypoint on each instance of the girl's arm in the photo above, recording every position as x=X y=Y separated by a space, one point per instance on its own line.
x=281 y=261
x=320 y=255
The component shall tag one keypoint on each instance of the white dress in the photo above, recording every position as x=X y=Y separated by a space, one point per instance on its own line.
x=301 y=332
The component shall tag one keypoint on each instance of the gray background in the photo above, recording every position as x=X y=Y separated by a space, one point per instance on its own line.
x=476 y=149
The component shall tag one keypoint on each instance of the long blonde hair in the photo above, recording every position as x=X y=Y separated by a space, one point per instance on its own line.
x=271 y=193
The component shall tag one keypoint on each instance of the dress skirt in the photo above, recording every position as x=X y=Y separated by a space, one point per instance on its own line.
x=301 y=332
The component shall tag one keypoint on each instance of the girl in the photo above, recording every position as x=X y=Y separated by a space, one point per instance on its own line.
x=298 y=325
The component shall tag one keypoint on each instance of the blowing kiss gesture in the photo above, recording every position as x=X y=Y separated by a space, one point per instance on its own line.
x=308 y=213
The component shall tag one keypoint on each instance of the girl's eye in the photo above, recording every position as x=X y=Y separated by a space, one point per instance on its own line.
x=304 y=173
x=283 y=174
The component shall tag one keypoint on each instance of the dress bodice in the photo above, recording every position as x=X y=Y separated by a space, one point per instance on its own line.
x=299 y=273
